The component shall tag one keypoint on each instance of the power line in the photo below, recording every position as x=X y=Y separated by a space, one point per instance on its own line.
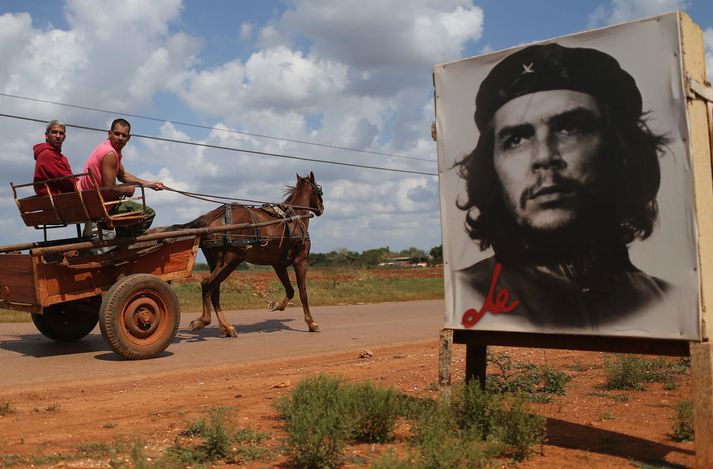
x=219 y=147
x=199 y=126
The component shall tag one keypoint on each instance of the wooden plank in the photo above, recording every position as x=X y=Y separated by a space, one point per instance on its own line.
x=694 y=67
x=41 y=218
x=34 y=204
x=17 y=283
x=677 y=348
x=702 y=387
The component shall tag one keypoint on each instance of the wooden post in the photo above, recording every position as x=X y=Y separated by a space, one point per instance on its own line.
x=476 y=362
x=702 y=387
x=444 y=365
x=701 y=146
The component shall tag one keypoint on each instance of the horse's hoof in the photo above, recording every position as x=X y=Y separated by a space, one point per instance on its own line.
x=196 y=324
x=230 y=332
x=314 y=327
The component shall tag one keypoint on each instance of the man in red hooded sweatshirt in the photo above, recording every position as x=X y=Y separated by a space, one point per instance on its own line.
x=50 y=163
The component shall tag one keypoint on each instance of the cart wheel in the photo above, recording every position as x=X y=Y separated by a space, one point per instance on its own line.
x=139 y=316
x=67 y=322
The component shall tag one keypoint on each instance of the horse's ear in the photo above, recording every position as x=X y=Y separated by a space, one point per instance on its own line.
x=311 y=176
x=298 y=177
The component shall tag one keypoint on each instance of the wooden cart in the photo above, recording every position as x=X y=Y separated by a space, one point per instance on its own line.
x=69 y=285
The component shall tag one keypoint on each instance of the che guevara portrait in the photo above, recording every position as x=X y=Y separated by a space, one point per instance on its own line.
x=570 y=212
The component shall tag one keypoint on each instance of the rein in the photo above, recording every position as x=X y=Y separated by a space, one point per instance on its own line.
x=217 y=199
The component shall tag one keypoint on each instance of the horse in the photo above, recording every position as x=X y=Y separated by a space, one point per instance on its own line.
x=280 y=245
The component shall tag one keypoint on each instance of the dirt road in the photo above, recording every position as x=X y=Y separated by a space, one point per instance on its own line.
x=81 y=406
x=29 y=359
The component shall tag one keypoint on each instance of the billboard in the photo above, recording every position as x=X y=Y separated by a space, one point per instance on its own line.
x=567 y=203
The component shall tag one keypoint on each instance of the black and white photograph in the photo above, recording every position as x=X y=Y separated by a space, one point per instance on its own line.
x=566 y=197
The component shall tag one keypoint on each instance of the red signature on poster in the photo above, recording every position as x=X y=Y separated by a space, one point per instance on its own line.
x=494 y=303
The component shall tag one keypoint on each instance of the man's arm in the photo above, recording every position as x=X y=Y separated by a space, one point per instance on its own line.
x=125 y=176
x=110 y=174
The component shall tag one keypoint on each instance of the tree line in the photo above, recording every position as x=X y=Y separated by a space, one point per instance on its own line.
x=376 y=257
x=383 y=257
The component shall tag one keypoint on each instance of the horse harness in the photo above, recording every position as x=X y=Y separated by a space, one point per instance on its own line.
x=274 y=210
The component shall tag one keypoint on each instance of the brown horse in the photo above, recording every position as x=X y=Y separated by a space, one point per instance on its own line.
x=279 y=245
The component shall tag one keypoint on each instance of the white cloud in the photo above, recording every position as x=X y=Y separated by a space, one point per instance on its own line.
x=620 y=11
x=246 y=31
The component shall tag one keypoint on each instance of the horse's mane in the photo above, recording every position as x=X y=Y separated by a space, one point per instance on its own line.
x=288 y=192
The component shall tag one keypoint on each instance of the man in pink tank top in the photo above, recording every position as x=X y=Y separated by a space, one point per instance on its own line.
x=105 y=167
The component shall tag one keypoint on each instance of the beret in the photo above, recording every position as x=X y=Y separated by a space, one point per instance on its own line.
x=555 y=67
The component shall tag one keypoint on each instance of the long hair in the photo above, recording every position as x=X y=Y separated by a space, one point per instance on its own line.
x=630 y=153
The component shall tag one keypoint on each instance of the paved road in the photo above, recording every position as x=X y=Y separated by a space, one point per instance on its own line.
x=27 y=358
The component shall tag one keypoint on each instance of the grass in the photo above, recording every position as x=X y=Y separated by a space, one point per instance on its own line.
x=628 y=372
x=325 y=287
x=537 y=383
x=254 y=289
x=683 y=429
x=323 y=414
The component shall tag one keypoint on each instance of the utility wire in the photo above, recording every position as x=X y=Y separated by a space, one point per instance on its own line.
x=199 y=126
x=218 y=147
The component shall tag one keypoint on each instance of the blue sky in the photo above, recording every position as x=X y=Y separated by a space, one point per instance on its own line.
x=352 y=74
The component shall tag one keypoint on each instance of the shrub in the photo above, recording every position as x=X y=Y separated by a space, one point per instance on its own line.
x=475 y=409
x=683 y=429
x=373 y=412
x=515 y=430
x=624 y=372
x=389 y=460
x=315 y=424
x=442 y=444
x=554 y=381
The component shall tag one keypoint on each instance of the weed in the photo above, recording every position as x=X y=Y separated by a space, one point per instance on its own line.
x=9 y=460
x=6 y=408
x=624 y=372
x=554 y=381
x=607 y=416
x=40 y=460
x=315 y=425
x=475 y=409
x=613 y=397
x=441 y=444
x=53 y=408
x=94 y=450
x=390 y=460
x=536 y=383
x=517 y=431
x=578 y=367
x=373 y=412
x=109 y=425
x=195 y=428
x=250 y=436
x=138 y=460
x=670 y=385
x=683 y=429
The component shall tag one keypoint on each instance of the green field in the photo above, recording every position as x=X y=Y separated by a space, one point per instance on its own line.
x=255 y=289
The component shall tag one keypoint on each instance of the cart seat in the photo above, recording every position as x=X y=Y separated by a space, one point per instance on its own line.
x=66 y=208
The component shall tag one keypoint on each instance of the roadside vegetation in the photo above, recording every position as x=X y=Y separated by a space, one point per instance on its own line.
x=338 y=277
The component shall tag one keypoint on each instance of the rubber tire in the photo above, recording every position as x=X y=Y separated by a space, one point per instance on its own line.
x=139 y=316
x=65 y=322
